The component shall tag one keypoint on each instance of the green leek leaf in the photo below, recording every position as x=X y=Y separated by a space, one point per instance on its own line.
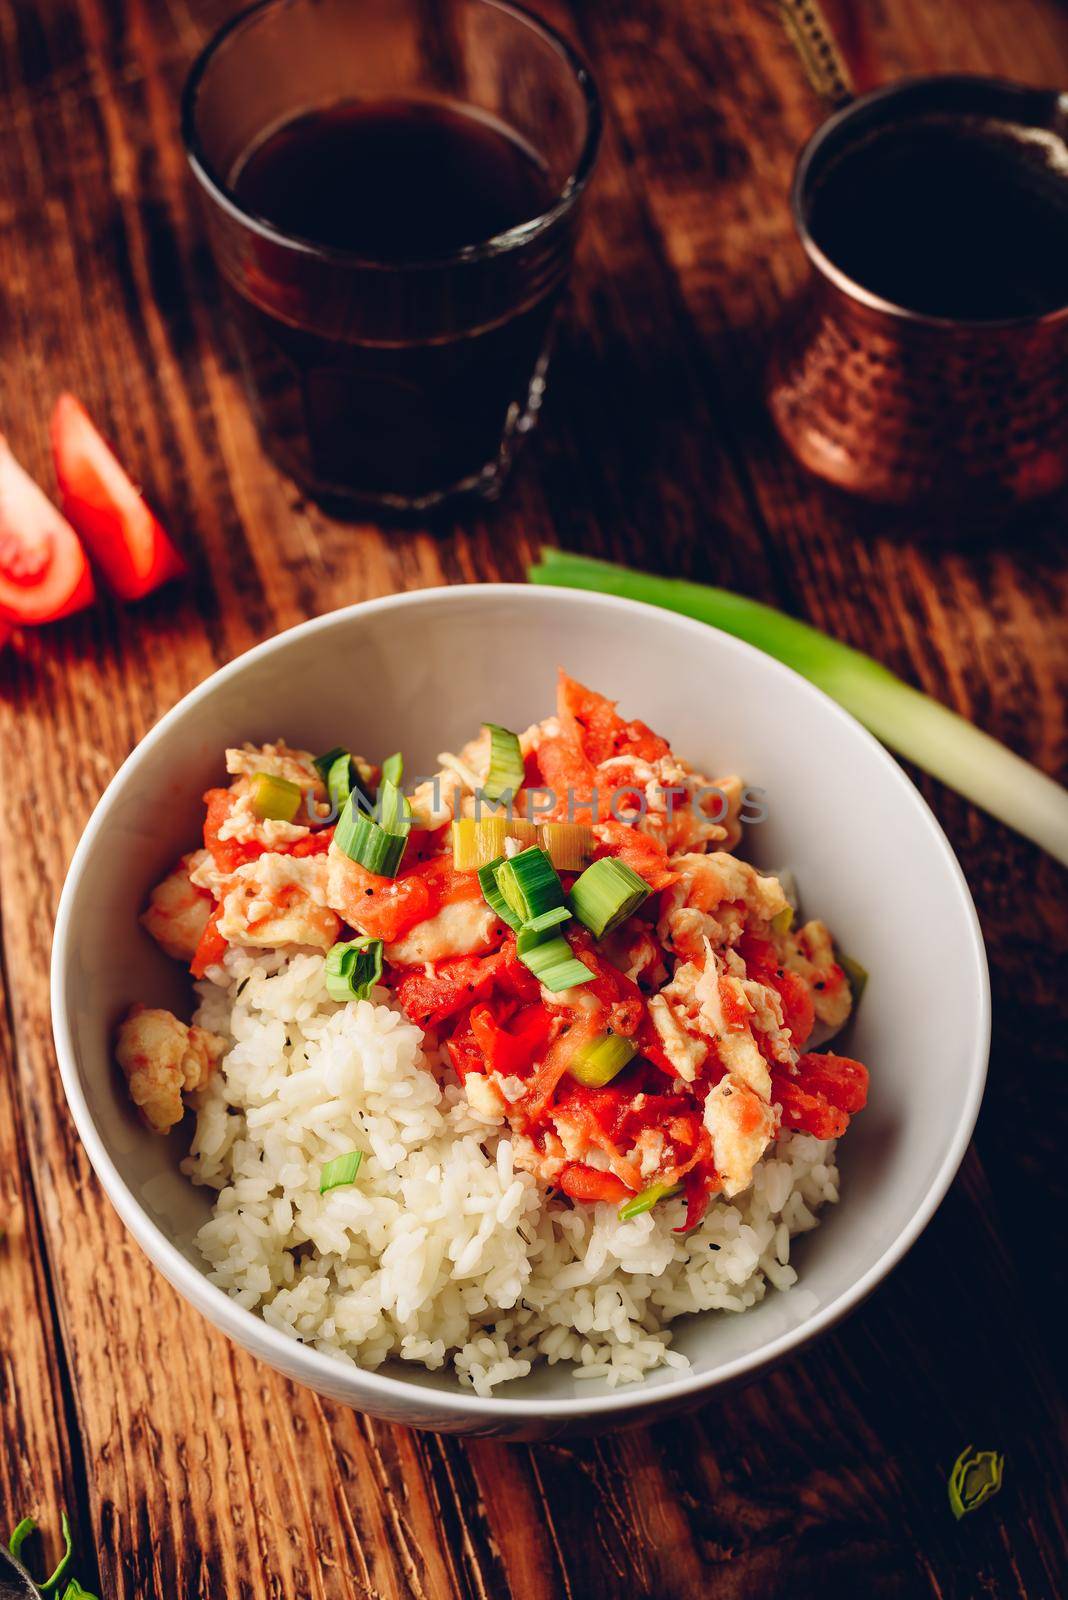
x=909 y=722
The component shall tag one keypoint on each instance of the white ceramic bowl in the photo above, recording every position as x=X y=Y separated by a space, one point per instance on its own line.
x=421 y=671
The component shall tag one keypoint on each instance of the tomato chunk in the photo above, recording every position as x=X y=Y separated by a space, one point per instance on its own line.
x=125 y=539
x=593 y=723
x=644 y=855
x=512 y=1050
x=211 y=948
x=228 y=854
x=44 y=574
x=587 y=1183
x=841 y=1081
x=392 y=907
x=822 y=1096
x=430 y=999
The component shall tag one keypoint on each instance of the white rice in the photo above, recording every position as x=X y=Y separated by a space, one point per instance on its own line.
x=441 y=1250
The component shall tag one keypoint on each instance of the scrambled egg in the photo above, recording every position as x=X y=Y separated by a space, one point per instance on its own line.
x=164 y=1059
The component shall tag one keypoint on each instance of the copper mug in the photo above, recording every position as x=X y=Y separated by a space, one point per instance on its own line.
x=939 y=413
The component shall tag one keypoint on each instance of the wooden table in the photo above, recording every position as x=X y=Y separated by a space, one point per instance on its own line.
x=189 y=1469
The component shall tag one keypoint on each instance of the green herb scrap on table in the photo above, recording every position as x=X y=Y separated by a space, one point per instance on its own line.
x=50 y=1586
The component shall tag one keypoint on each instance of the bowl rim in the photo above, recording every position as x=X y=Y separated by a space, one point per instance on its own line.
x=321 y=1371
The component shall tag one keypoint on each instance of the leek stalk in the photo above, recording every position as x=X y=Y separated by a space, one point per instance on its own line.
x=908 y=721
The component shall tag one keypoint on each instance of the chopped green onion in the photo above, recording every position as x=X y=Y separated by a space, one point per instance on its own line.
x=783 y=920
x=606 y=894
x=529 y=884
x=506 y=771
x=917 y=727
x=600 y=1060
x=475 y=841
x=487 y=877
x=393 y=769
x=74 y=1591
x=569 y=845
x=548 y=919
x=344 y=774
x=647 y=1199
x=341 y=1171
x=339 y=781
x=394 y=812
x=975 y=1477
x=23 y=1531
x=323 y=763
x=857 y=975
x=20 y=1533
x=376 y=846
x=353 y=968
x=275 y=799
x=549 y=958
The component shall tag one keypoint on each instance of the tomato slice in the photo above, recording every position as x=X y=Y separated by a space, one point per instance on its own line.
x=44 y=574
x=102 y=501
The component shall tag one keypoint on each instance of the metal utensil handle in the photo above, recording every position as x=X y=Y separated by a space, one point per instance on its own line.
x=813 y=39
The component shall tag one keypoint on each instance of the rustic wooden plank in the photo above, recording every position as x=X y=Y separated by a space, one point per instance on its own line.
x=41 y=1466
x=209 y=1475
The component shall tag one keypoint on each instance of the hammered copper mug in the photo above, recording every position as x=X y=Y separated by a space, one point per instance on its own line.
x=913 y=410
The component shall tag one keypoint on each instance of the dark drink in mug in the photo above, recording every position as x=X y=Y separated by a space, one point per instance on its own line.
x=392 y=255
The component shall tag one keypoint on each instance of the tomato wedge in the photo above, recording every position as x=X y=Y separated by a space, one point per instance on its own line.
x=43 y=571
x=124 y=538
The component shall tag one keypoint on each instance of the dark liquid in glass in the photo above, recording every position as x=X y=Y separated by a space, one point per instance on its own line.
x=952 y=216
x=413 y=387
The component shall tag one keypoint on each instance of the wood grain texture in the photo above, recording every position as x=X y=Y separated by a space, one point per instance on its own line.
x=195 y=1472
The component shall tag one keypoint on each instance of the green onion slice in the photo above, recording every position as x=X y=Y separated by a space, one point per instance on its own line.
x=506 y=771
x=549 y=958
x=322 y=764
x=22 y=1532
x=393 y=769
x=353 y=968
x=529 y=884
x=378 y=846
x=341 y=1171
x=275 y=799
x=548 y=919
x=339 y=783
x=600 y=1060
x=478 y=840
x=857 y=975
x=606 y=894
x=647 y=1199
x=344 y=774
x=487 y=877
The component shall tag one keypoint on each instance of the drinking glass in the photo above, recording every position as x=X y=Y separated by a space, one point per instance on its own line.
x=392 y=384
